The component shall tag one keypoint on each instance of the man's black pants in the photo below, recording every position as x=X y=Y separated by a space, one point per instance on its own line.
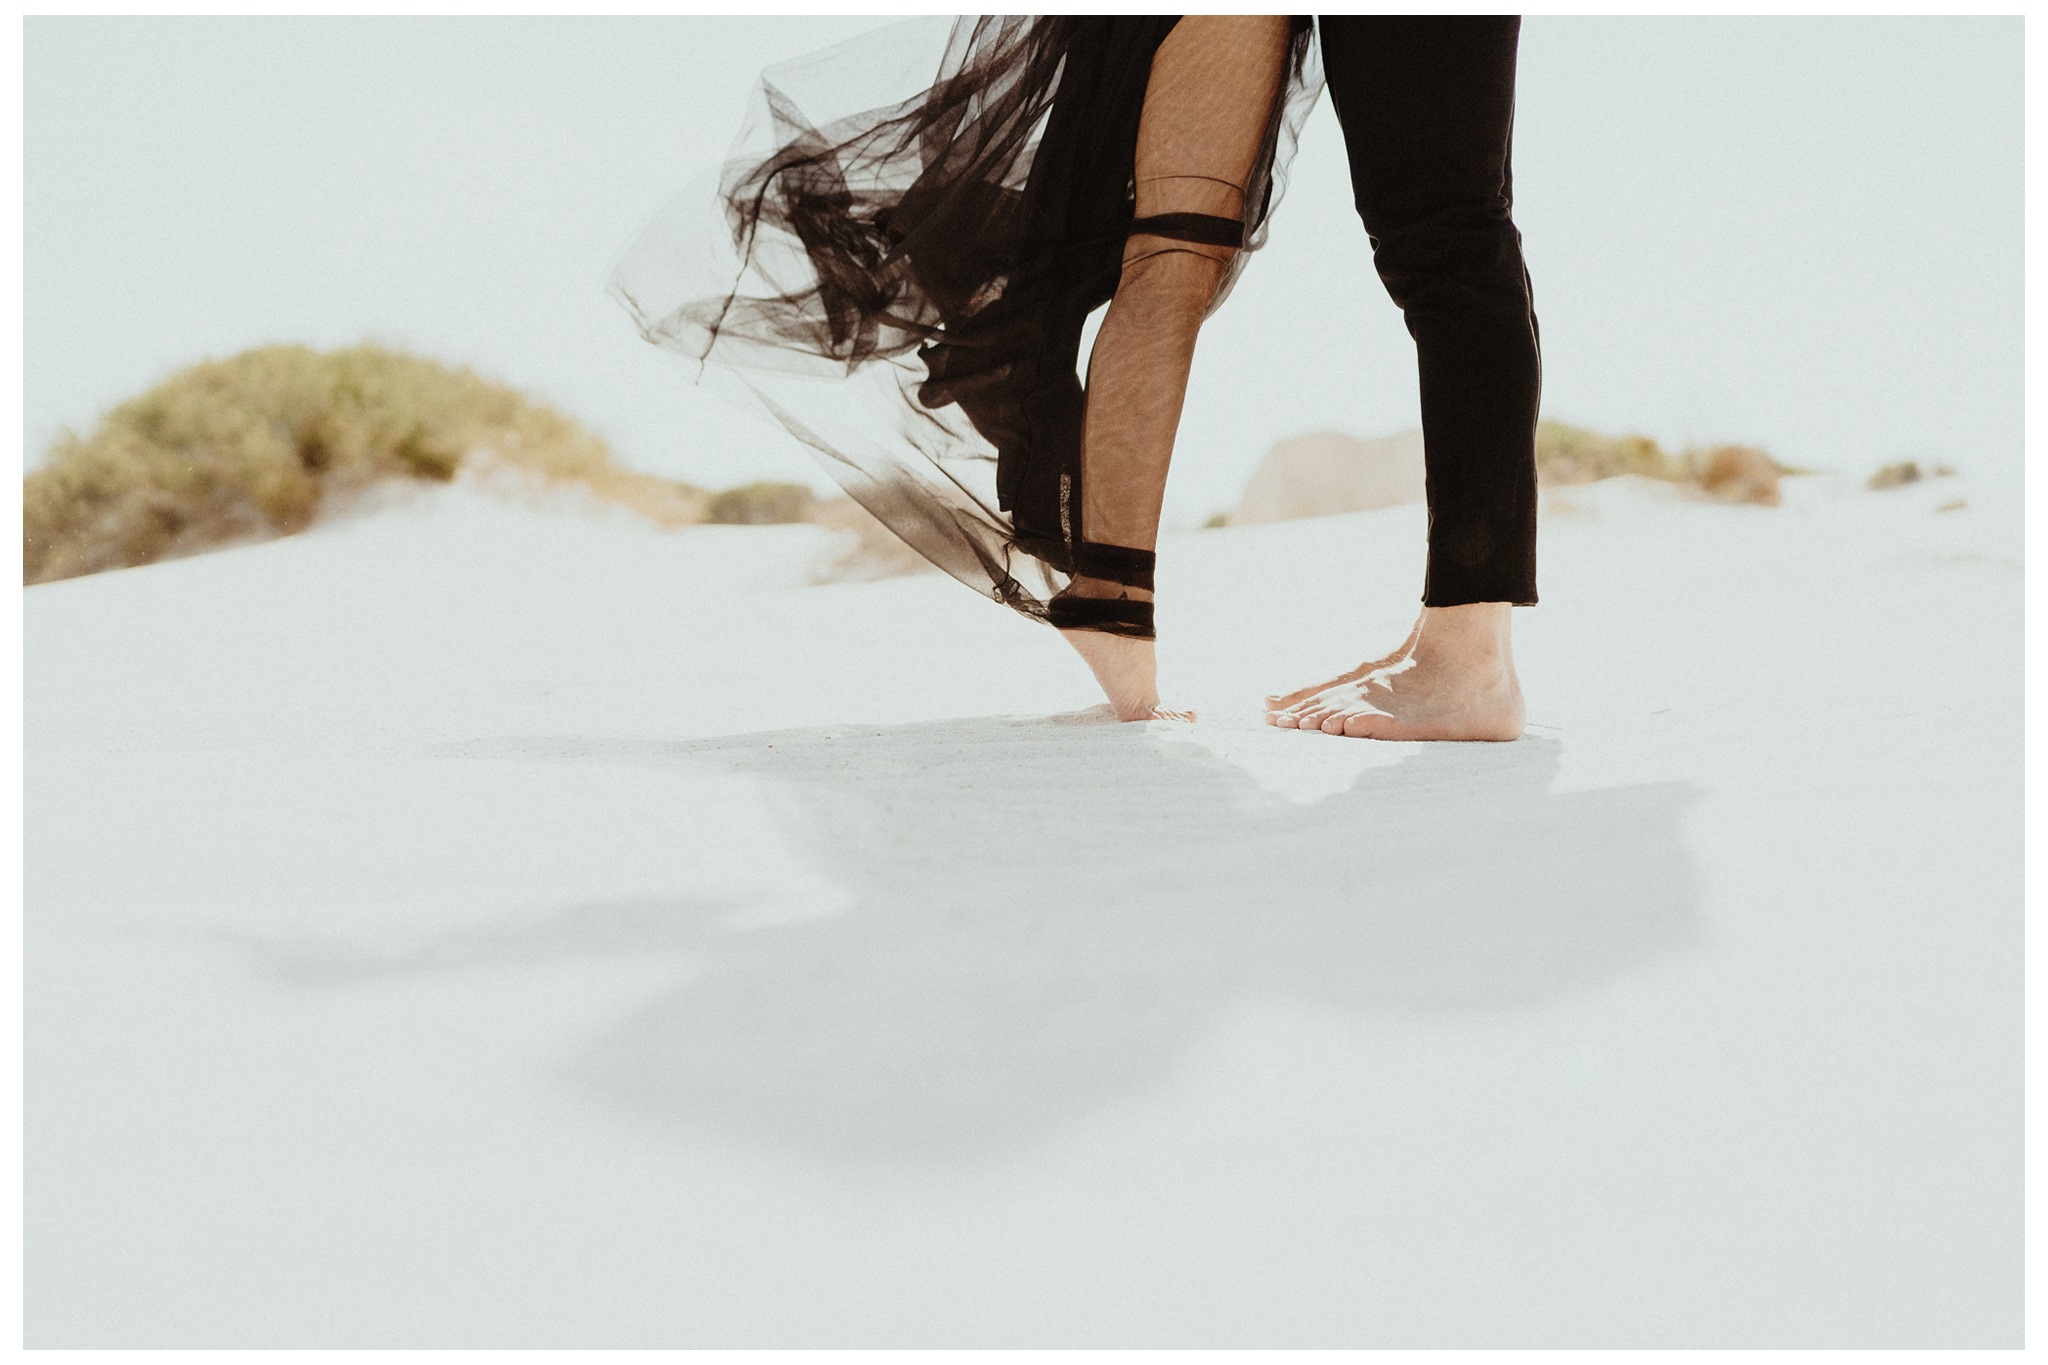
x=1427 y=105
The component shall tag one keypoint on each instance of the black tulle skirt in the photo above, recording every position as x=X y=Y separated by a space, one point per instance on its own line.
x=898 y=263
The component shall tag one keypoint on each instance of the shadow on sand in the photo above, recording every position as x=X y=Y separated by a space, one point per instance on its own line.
x=1043 y=914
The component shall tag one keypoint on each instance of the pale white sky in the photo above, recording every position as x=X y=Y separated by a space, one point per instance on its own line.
x=1805 y=233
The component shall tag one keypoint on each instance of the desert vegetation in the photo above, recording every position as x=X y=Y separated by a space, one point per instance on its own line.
x=256 y=444
x=870 y=550
x=1328 y=472
x=1567 y=454
x=1905 y=472
x=761 y=504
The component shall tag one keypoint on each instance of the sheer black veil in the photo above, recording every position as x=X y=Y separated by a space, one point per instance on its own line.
x=899 y=259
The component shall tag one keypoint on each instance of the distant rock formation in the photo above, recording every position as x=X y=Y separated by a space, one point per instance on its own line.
x=1327 y=472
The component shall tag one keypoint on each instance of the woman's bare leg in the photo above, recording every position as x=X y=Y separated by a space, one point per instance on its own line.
x=1208 y=105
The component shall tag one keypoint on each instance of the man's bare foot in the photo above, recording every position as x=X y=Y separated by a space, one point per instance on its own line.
x=1456 y=680
x=1124 y=664
x=1279 y=701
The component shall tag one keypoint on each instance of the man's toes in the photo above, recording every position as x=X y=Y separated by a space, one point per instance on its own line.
x=1367 y=725
x=1333 y=724
x=1321 y=707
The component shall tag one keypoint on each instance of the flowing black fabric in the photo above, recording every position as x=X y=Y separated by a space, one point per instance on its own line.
x=905 y=283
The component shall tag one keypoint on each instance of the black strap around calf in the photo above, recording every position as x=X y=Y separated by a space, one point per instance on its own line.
x=1116 y=615
x=1114 y=564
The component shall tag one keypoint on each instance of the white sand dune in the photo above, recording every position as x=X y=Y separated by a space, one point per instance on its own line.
x=1331 y=471
x=472 y=925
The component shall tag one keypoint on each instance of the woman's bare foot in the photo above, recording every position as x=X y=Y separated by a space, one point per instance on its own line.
x=1456 y=680
x=1278 y=701
x=1124 y=664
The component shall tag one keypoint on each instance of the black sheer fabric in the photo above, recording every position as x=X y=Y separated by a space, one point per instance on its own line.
x=903 y=284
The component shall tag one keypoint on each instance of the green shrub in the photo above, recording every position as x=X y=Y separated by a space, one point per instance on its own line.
x=1569 y=454
x=254 y=444
x=1566 y=454
x=761 y=504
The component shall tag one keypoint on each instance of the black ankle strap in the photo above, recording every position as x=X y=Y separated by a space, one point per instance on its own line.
x=1116 y=615
x=1205 y=228
x=1114 y=564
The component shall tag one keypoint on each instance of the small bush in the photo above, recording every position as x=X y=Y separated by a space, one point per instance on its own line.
x=1736 y=474
x=1905 y=472
x=255 y=444
x=1569 y=454
x=761 y=504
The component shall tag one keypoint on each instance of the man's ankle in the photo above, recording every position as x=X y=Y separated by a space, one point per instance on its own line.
x=1471 y=634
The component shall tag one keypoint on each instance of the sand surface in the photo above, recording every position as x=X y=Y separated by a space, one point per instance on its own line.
x=468 y=924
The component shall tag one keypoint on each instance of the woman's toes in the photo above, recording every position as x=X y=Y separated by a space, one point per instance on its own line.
x=1333 y=723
